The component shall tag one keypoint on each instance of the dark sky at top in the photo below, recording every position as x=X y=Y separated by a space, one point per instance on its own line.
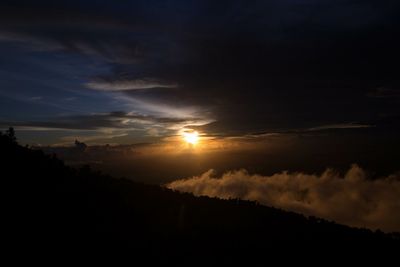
x=135 y=71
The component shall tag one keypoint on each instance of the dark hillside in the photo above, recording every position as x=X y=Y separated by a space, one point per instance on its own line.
x=52 y=209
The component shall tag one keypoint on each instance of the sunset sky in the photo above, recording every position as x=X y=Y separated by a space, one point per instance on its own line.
x=140 y=71
x=177 y=88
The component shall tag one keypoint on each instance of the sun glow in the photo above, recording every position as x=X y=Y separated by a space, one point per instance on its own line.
x=191 y=137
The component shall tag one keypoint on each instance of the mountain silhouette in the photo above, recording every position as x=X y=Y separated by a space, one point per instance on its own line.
x=52 y=209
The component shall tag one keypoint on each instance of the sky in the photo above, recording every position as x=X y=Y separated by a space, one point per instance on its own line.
x=269 y=86
x=140 y=71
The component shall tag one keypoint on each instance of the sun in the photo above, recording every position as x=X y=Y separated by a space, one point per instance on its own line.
x=191 y=137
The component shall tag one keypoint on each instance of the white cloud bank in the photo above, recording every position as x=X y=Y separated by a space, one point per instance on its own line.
x=352 y=199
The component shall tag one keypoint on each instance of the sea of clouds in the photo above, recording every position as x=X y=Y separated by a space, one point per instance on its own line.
x=351 y=198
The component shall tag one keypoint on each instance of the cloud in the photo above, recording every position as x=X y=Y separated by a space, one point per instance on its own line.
x=116 y=119
x=340 y=126
x=350 y=199
x=124 y=85
x=68 y=140
x=95 y=34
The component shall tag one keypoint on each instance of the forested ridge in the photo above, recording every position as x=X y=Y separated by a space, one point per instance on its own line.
x=53 y=208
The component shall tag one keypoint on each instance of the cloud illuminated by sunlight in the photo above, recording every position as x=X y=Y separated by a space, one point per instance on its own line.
x=351 y=199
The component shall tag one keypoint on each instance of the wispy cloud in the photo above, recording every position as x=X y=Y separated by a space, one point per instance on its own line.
x=124 y=85
x=67 y=140
x=116 y=120
x=340 y=126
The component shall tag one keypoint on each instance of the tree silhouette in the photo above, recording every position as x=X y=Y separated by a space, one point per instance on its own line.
x=80 y=145
x=10 y=133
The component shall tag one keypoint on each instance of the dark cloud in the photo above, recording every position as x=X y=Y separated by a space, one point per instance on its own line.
x=72 y=28
x=340 y=126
